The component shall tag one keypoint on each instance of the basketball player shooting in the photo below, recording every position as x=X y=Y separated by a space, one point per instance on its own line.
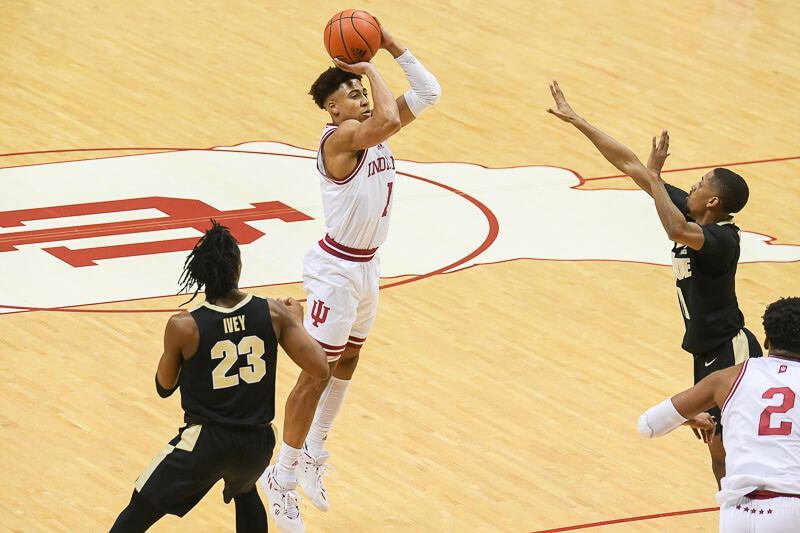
x=341 y=271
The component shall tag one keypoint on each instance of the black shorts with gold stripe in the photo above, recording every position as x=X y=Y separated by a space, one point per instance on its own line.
x=199 y=456
x=743 y=346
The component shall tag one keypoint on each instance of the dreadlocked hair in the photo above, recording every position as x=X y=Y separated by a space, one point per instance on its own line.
x=782 y=324
x=213 y=263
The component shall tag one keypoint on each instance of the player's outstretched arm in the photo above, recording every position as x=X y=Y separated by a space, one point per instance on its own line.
x=301 y=347
x=352 y=135
x=687 y=407
x=425 y=89
x=615 y=152
x=675 y=224
x=180 y=335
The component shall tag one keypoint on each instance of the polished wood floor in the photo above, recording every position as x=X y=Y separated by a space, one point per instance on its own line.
x=499 y=398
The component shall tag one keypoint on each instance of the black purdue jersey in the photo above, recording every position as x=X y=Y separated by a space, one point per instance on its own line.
x=230 y=380
x=706 y=282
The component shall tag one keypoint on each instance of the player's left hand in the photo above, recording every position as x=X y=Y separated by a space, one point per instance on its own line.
x=703 y=426
x=658 y=154
x=386 y=37
x=387 y=41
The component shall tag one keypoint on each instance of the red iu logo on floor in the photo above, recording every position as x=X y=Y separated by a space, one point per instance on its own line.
x=180 y=213
x=319 y=312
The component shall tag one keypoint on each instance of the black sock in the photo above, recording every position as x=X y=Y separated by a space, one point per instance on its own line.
x=251 y=517
x=138 y=516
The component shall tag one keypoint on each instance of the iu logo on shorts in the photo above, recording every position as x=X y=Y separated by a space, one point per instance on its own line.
x=319 y=312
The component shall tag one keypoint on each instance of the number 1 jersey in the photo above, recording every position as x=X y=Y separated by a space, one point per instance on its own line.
x=358 y=207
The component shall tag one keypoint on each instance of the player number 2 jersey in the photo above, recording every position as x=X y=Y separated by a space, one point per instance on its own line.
x=357 y=208
x=761 y=417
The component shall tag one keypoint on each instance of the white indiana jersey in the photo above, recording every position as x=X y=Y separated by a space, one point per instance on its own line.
x=357 y=208
x=761 y=417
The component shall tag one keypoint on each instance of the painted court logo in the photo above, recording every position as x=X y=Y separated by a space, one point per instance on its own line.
x=178 y=213
x=119 y=228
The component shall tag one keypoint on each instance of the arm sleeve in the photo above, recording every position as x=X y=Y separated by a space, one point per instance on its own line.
x=425 y=90
x=164 y=393
x=660 y=420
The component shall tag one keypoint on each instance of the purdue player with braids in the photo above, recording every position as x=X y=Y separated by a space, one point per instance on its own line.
x=704 y=256
x=760 y=492
x=222 y=354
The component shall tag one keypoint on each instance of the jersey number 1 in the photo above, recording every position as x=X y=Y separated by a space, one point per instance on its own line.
x=785 y=427
x=253 y=372
x=388 y=198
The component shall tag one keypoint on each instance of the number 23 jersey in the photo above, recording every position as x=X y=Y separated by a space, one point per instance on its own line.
x=230 y=380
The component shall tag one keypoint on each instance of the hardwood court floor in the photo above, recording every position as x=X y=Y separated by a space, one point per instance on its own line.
x=499 y=398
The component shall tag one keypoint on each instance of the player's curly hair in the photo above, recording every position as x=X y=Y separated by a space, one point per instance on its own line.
x=732 y=189
x=328 y=83
x=782 y=324
x=213 y=263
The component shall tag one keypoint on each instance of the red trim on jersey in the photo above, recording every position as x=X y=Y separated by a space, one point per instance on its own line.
x=345 y=252
x=350 y=176
x=331 y=350
x=768 y=495
x=355 y=342
x=735 y=386
x=786 y=358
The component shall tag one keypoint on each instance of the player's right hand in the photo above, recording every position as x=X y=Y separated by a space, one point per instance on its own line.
x=703 y=426
x=360 y=68
x=563 y=109
x=294 y=307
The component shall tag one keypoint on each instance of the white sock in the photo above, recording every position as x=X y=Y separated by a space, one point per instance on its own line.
x=329 y=406
x=287 y=462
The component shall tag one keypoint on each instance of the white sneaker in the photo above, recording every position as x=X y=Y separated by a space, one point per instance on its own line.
x=311 y=472
x=282 y=503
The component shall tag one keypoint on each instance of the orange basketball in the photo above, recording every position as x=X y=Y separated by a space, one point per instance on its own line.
x=352 y=36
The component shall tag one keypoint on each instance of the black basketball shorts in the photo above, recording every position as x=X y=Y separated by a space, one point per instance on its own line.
x=743 y=346
x=199 y=456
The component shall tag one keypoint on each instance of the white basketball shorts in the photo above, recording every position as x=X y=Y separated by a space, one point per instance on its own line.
x=774 y=515
x=342 y=300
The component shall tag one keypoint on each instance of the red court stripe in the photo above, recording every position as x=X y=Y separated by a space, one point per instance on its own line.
x=754 y=162
x=630 y=519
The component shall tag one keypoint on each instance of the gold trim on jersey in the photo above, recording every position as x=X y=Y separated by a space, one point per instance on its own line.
x=741 y=348
x=219 y=309
x=188 y=440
